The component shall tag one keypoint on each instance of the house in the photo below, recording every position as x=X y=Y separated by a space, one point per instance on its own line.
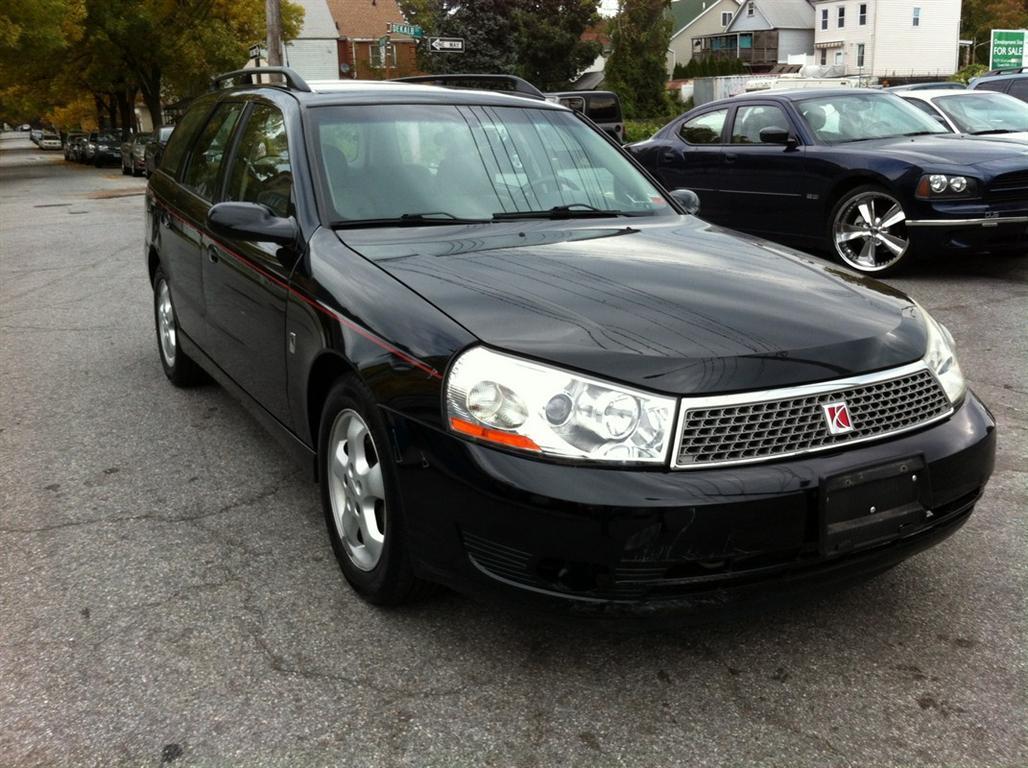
x=889 y=37
x=363 y=54
x=313 y=53
x=695 y=18
x=763 y=34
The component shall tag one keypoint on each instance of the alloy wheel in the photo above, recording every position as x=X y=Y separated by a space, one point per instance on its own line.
x=356 y=489
x=870 y=232
x=166 y=324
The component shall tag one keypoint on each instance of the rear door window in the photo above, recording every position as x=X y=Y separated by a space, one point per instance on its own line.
x=203 y=168
x=704 y=129
x=1019 y=88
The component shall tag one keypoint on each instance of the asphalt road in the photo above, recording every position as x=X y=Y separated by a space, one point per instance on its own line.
x=168 y=594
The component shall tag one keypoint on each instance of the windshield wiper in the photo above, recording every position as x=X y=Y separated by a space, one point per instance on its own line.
x=993 y=130
x=432 y=218
x=570 y=211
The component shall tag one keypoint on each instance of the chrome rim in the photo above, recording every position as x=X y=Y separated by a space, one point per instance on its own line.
x=356 y=489
x=166 y=324
x=871 y=232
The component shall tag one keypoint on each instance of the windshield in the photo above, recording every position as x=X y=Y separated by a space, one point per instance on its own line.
x=470 y=162
x=863 y=116
x=107 y=138
x=983 y=112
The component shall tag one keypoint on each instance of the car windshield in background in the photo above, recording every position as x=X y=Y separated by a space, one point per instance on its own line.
x=108 y=138
x=864 y=116
x=982 y=112
x=444 y=162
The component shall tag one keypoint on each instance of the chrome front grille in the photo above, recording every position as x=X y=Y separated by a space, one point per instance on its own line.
x=734 y=429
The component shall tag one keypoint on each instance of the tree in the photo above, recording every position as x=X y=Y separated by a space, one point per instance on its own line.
x=490 y=37
x=636 y=69
x=550 y=49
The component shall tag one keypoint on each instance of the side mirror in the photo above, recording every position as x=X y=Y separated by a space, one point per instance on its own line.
x=250 y=221
x=688 y=199
x=775 y=135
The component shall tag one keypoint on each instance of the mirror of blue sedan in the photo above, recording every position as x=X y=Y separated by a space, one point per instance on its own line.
x=250 y=222
x=776 y=135
x=688 y=199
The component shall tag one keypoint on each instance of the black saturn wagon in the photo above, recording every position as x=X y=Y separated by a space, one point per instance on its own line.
x=516 y=365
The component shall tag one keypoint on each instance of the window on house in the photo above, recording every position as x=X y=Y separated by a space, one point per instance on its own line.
x=824 y=56
x=726 y=18
x=842 y=16
x=824 y=18
x=376 y=58
x=862 y=20
x=860 y=54
x=917 y=16
x=749 y=9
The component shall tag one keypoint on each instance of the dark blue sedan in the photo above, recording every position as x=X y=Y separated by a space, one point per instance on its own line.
x=860 y=172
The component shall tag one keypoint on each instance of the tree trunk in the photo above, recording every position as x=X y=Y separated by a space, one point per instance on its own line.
x=111 y=102
x=150 y=86
x=126 y=107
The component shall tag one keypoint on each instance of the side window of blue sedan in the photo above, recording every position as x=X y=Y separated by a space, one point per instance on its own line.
x=704 y=129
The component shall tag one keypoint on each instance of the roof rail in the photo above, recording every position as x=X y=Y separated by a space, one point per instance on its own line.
x=293 y=81
x=1006 y=71
x=483 y=82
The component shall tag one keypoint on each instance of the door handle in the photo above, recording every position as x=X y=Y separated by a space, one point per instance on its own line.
x=670 y=156
x=731 y=157
x=212 y=254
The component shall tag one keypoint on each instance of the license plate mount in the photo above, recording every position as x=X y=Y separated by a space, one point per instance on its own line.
x=873 y=505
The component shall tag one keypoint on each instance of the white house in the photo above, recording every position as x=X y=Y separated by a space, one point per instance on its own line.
x=314 y=53
x=888 y=38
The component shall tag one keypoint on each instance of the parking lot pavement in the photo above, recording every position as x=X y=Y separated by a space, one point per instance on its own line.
x=168 y=594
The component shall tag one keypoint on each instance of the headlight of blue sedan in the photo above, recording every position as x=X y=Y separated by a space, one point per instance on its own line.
x=934 y=186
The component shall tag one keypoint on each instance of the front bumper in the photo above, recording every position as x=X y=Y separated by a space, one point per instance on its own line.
x=610 y=541
x=972 y=236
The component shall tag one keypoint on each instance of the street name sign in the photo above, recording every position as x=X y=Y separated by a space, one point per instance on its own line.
x=446 y=44
x=255 y=51
x=1008 y=49
x=412 y=30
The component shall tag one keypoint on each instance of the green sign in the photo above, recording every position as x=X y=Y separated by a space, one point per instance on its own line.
x=1008 y=49
x=413 y=30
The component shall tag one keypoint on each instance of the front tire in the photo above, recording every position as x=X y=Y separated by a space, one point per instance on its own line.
x=360 y=497
x=868 y=231
x=178 y=367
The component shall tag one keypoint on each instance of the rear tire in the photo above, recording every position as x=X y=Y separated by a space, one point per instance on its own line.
x=178 y=367
x=360 y=497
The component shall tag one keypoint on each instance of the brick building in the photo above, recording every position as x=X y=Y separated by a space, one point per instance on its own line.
x=361 y=23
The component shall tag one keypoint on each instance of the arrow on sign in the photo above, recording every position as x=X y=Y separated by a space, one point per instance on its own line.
x=452 y=44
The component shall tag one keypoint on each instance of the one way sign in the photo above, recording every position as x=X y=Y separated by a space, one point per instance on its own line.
x=448 y=44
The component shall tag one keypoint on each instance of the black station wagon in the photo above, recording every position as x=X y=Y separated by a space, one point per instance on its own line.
x=515 y=365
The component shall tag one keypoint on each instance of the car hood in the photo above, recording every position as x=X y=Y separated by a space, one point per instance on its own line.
x=946 y=149
x=677 y=306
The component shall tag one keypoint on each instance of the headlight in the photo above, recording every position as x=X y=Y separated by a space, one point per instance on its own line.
x=941 y=357
x=940 y=185
x=503 y=400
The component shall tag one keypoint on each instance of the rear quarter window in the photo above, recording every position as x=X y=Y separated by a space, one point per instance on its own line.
x=183 y=136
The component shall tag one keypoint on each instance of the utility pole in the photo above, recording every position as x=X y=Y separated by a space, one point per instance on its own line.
x=273 y=11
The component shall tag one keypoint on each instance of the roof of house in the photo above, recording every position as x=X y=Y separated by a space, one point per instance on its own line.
x=685 y=12
x=365 y=19
x=317 y=21
x=782 y=14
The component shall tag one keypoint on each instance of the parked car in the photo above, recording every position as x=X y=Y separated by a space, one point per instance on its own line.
x=69 y=143
x=602 y=107
x=78 y=145
x=154 y=147
x=515 y=365
x=35 y=135
x=49 y=141
x=977 y=113
x=942 y=85
x=103 y=148
x=860 y=172
x=133 y=154
x=1013 y=83
x=25 y=127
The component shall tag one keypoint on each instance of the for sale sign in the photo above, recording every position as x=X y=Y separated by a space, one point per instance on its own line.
x=1008 y=49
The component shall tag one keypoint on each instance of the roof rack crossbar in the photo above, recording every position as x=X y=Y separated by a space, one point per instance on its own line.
x=293 y=81
x=477 y=82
